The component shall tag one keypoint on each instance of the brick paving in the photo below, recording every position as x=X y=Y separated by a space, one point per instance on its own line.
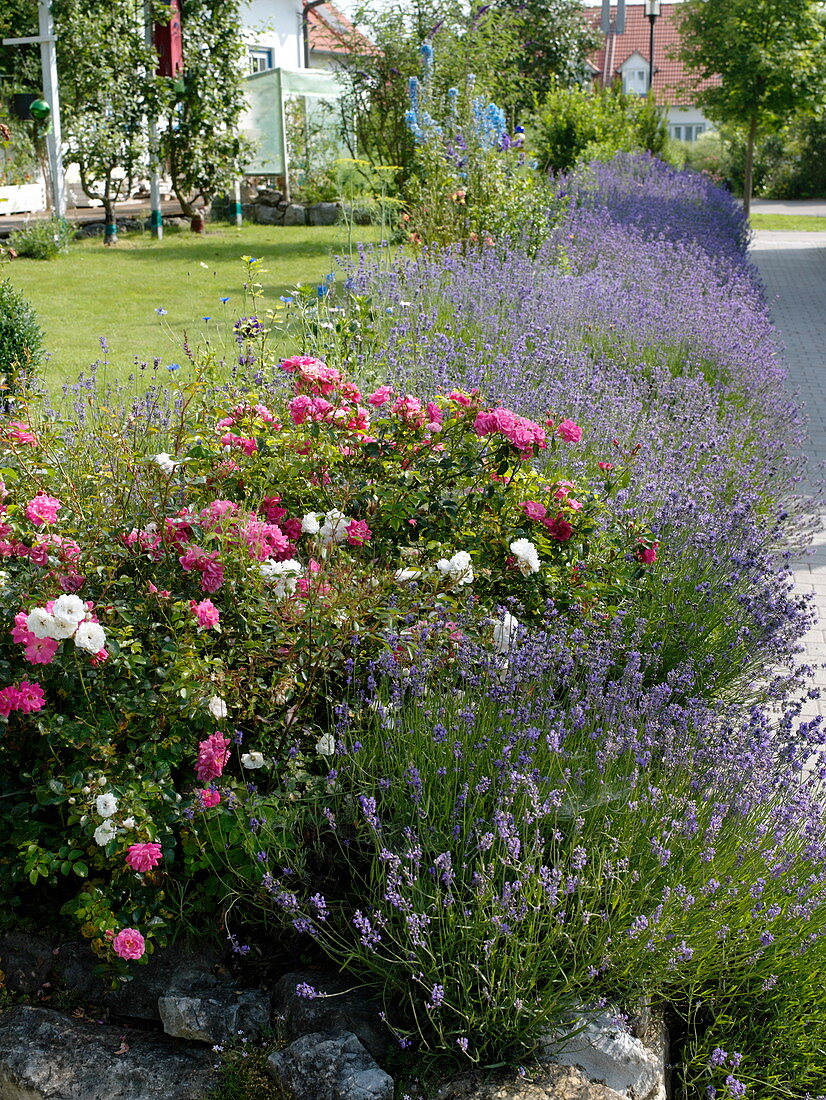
x=793 y=268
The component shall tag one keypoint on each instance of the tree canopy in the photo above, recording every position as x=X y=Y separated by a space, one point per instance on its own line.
x=770 y=56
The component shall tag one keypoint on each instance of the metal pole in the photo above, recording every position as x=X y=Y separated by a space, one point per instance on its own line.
x=651 y=19
x=283 y=122
x=155 y=214
x=48 y=60
x=236 y=215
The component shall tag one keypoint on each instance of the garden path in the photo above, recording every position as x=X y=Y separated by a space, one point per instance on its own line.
x=793 y=269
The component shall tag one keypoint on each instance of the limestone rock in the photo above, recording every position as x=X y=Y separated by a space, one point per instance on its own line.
x=549 y=1083
x=295 y=215
x=267 y=214
x=608 y=1053
x=323 y=213
x=47 y=1056
x=26 y=961
x=338 y=1007
x=329 y=1066
x=214 y=1018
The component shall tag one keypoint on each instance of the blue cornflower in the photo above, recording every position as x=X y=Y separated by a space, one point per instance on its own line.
x=173 y=366
x=288 y=298
x=224 y=300
x=161 y=312
x=207 y=318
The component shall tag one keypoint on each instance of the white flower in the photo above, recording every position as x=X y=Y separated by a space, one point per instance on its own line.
x=310 y=524
x=69 y=607
x=503 y=633
x=166 y=462
x=326 y=745
x=217 y=707
x=253 y=760
x=407 y=574
x=105 y=832
x=527 y=556
x=106 y=805
x=333 y=528
x=459 y=568
x=129 y=823
x=90 y=636
x=284 y=573
x=40 y=623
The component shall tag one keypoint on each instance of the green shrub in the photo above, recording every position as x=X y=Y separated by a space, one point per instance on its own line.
x=582 y=123
x=21 y=342
x=42 y=240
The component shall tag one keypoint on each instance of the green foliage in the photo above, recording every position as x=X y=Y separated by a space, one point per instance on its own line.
x=103 y=59
x=21 y=343
x=18 y=157
x=580 y=123
x=770 y=57
x=42 y=240
x=201 y=144
x=555 y=40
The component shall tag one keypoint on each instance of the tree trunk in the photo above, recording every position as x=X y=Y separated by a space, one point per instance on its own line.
x=748 y=175
x=110 y=229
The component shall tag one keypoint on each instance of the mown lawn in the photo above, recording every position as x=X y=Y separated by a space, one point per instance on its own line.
x=809 y=222
x=92 y=293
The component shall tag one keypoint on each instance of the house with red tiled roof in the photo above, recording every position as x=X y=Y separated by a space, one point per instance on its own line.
x=625 y=57
x=297 y=34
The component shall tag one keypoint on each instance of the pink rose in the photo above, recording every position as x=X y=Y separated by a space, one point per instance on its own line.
x=206 y=613
x=20 y=433
x=129 y=944
x=43 y=509
x=647 y=554
x=534 y=510
x=299 y=362
x=213 y=754
x=41 y=651
x=358 y=533
x=209 y=798
x=380 y=397
x=558 y=528
x=30 y=697
x=569 y=431
x=143 y=857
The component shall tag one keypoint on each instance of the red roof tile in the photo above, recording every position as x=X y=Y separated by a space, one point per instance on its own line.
x=673 y=86
x=332 y=32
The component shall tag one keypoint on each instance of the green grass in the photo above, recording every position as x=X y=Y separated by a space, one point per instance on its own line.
x=809 y=222
x=92 y=292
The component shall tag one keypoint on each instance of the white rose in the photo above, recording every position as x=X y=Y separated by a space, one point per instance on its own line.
x=459 y=568
x=407 y=574
x=527 y=556
x=333 y=528
x=106 y=805
x=105 y=832
x=326 y=745
x=217 y=707
x=253 y=760
x=90 y=636
x=284 y=573
x=310 y=524
x=40 y=623
x=166 y=462
x=70 y=607
x=129 y=823
x=504 y=632
x=63 y=627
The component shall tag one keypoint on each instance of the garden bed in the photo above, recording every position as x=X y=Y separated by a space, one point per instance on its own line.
x=462 y=644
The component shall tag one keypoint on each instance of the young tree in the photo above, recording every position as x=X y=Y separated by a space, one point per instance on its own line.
x=200 y=141
x=770 y=56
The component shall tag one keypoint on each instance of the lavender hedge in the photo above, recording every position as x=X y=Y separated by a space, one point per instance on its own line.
x=624 y=812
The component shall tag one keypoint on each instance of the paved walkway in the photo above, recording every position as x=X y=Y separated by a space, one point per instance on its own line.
x=793 y=268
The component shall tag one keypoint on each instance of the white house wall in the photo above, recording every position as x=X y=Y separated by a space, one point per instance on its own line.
x=275 y=25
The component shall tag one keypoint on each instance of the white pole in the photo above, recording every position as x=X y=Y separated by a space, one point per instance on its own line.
x=283 y=135
x=155 y=214
x=48 y=60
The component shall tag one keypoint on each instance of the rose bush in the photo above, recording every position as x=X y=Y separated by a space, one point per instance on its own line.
x=226 y=589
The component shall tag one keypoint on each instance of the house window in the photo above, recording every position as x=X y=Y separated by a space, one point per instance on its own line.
x=261 y=59
x=677 y=133
x=635 y=81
